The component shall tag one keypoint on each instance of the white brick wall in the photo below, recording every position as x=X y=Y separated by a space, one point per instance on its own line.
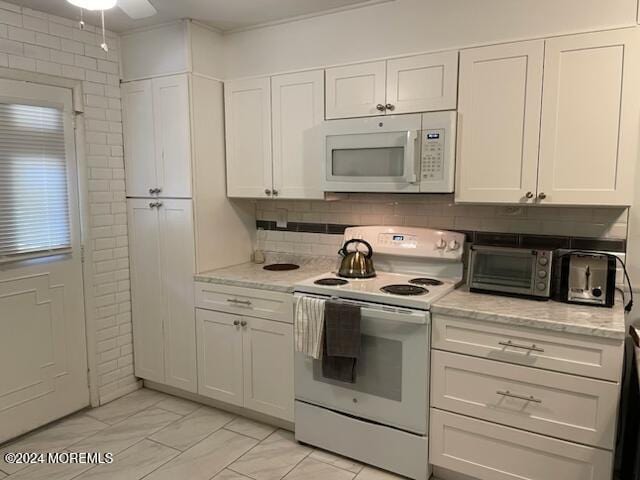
x=35 y=41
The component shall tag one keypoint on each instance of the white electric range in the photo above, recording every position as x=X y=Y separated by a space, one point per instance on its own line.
x=382 y=419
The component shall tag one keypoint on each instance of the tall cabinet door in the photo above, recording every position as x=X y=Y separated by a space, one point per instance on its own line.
x=356 y=90
x=499 y=122
x=172 y=133
x=297 y=111
x=423 y=83
x=178 y=268
x=148 y=309
x=248 y=137
x=219 y=356
x=139 y=143
x=590 y=119
x=268 y=367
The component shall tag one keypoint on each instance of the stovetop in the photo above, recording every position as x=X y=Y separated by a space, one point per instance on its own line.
x=397 y=289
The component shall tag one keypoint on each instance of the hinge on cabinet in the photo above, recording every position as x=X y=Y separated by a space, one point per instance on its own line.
x=81 y=253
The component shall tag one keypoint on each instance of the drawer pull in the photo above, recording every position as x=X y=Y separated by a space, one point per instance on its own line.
x=532 y=348
x=239 y=302
x=507 y=393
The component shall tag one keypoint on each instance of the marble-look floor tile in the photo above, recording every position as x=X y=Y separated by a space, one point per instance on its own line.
x=251 y=428
x=336 y=460
x=310 y=469
x=118 y=437
x=273 y=458
x=230 y=475
x=2 y=475
x=370 y=473
x=177 y=405
x=205 y=459
x=118 y=410
x=188 y=431
x=52 y=438
x=132 y=464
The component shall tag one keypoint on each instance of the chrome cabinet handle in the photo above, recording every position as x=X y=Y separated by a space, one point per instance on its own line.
x=152 y=191
x=155 y=204
x=267 y=191
x=158 y=204
x=241 y=302
x=542 y=195
x=390 y=107
x=530 y=398
x=158 y=189
x=533 y=347
x=529 y=195
x=243 y=323
x=380 y=107
x=236 y=323
x=275 y=192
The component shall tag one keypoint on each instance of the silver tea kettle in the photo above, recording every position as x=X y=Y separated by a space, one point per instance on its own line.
x=356 y=264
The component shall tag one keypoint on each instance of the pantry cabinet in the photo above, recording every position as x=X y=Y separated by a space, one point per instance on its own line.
x=419 y=83
x=568 y=136
x=162 y=265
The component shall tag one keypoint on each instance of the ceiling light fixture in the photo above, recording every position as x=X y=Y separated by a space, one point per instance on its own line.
x=94 y=4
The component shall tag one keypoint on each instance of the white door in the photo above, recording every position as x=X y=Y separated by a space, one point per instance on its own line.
x=268 y=367
x=298 y=110
x=173 y=138
x=423 y=83
x=248 y=138
x=139 y=138
x=219 y=339
x=147 y=307
x=499 y=123
x=590 y=119
x=356 y=90
x=177 y=266
x=42 y=326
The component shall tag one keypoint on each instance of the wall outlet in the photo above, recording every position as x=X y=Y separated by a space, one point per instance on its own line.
x=281 y=217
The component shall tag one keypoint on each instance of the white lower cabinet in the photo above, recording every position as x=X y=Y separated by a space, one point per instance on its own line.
x=246 y=361
x=488 y=451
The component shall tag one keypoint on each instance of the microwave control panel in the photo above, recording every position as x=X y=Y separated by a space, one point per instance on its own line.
x=433 y=151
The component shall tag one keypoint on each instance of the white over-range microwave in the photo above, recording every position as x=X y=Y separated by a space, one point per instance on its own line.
x=400 y=153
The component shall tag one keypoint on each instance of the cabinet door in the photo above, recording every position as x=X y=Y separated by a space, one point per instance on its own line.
x=219 y=356
x=268 y=367
x=248 y=137
x=177 y=260
x=173 y=139
x=139 y=143
x=355 y=90
x=146 y=289
x=590 y=119
x=423 y=83
x=499 y=122
x=298 y=110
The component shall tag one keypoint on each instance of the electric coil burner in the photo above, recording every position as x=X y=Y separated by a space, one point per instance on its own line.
x=332 y=282
x=404 y=290
x=430 y=282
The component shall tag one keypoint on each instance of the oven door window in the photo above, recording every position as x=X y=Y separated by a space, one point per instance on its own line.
x=512 y=271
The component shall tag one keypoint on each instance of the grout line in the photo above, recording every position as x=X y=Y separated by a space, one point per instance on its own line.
x=234 y=471
x=337 y=466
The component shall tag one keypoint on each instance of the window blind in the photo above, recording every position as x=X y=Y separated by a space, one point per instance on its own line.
x=34 y=207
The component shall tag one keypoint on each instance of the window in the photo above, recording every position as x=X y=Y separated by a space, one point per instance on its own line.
x=34 y=202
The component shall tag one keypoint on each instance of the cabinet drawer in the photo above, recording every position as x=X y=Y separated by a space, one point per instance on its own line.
x=563 y=352
x=487 y=451
x=574 y=408
x=245 y=301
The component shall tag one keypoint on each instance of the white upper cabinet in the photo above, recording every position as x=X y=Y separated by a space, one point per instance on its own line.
x=499 y=122
x=172 y=133
x=139 y=145
x=356 y=90
x=297 y=111
x=248 y=137
x=422 y=83
x=419 y=83
x=590 y=119
x=157 y=141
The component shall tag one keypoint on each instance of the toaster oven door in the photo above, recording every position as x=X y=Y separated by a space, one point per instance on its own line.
x=503 y=270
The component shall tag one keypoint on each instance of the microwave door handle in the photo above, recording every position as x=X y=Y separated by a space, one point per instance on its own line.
x=411 y=157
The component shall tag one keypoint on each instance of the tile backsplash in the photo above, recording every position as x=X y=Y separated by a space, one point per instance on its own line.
x=315 y=227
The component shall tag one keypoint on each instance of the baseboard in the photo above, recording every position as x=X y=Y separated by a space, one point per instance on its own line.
x=120 y=392
x=444 y=474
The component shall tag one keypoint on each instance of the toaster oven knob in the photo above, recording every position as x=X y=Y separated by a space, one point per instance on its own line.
x=542 y=274
x=543 y=261
x=441 y=244
x=541 y=286
x=597 y=292
x=454 y=245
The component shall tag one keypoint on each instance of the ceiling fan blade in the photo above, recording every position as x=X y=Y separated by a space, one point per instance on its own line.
x=137 y=8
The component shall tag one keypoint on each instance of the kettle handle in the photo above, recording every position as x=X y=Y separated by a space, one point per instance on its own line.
x=343 y=250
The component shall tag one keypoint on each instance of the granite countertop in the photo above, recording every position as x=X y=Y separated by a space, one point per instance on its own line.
x=252 y=275
x=549 y=315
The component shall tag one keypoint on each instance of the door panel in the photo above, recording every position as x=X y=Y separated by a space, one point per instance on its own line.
x=219 y=356
x=248 y=137
x=590 y=119
x=42 y=324
x=499 y=122
x=139 y=138
x=146 y=289
x=355 y=90
x=268 y=367
x=423 y=83
x=172 y=133
x=177 y=260
x=298 y=110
